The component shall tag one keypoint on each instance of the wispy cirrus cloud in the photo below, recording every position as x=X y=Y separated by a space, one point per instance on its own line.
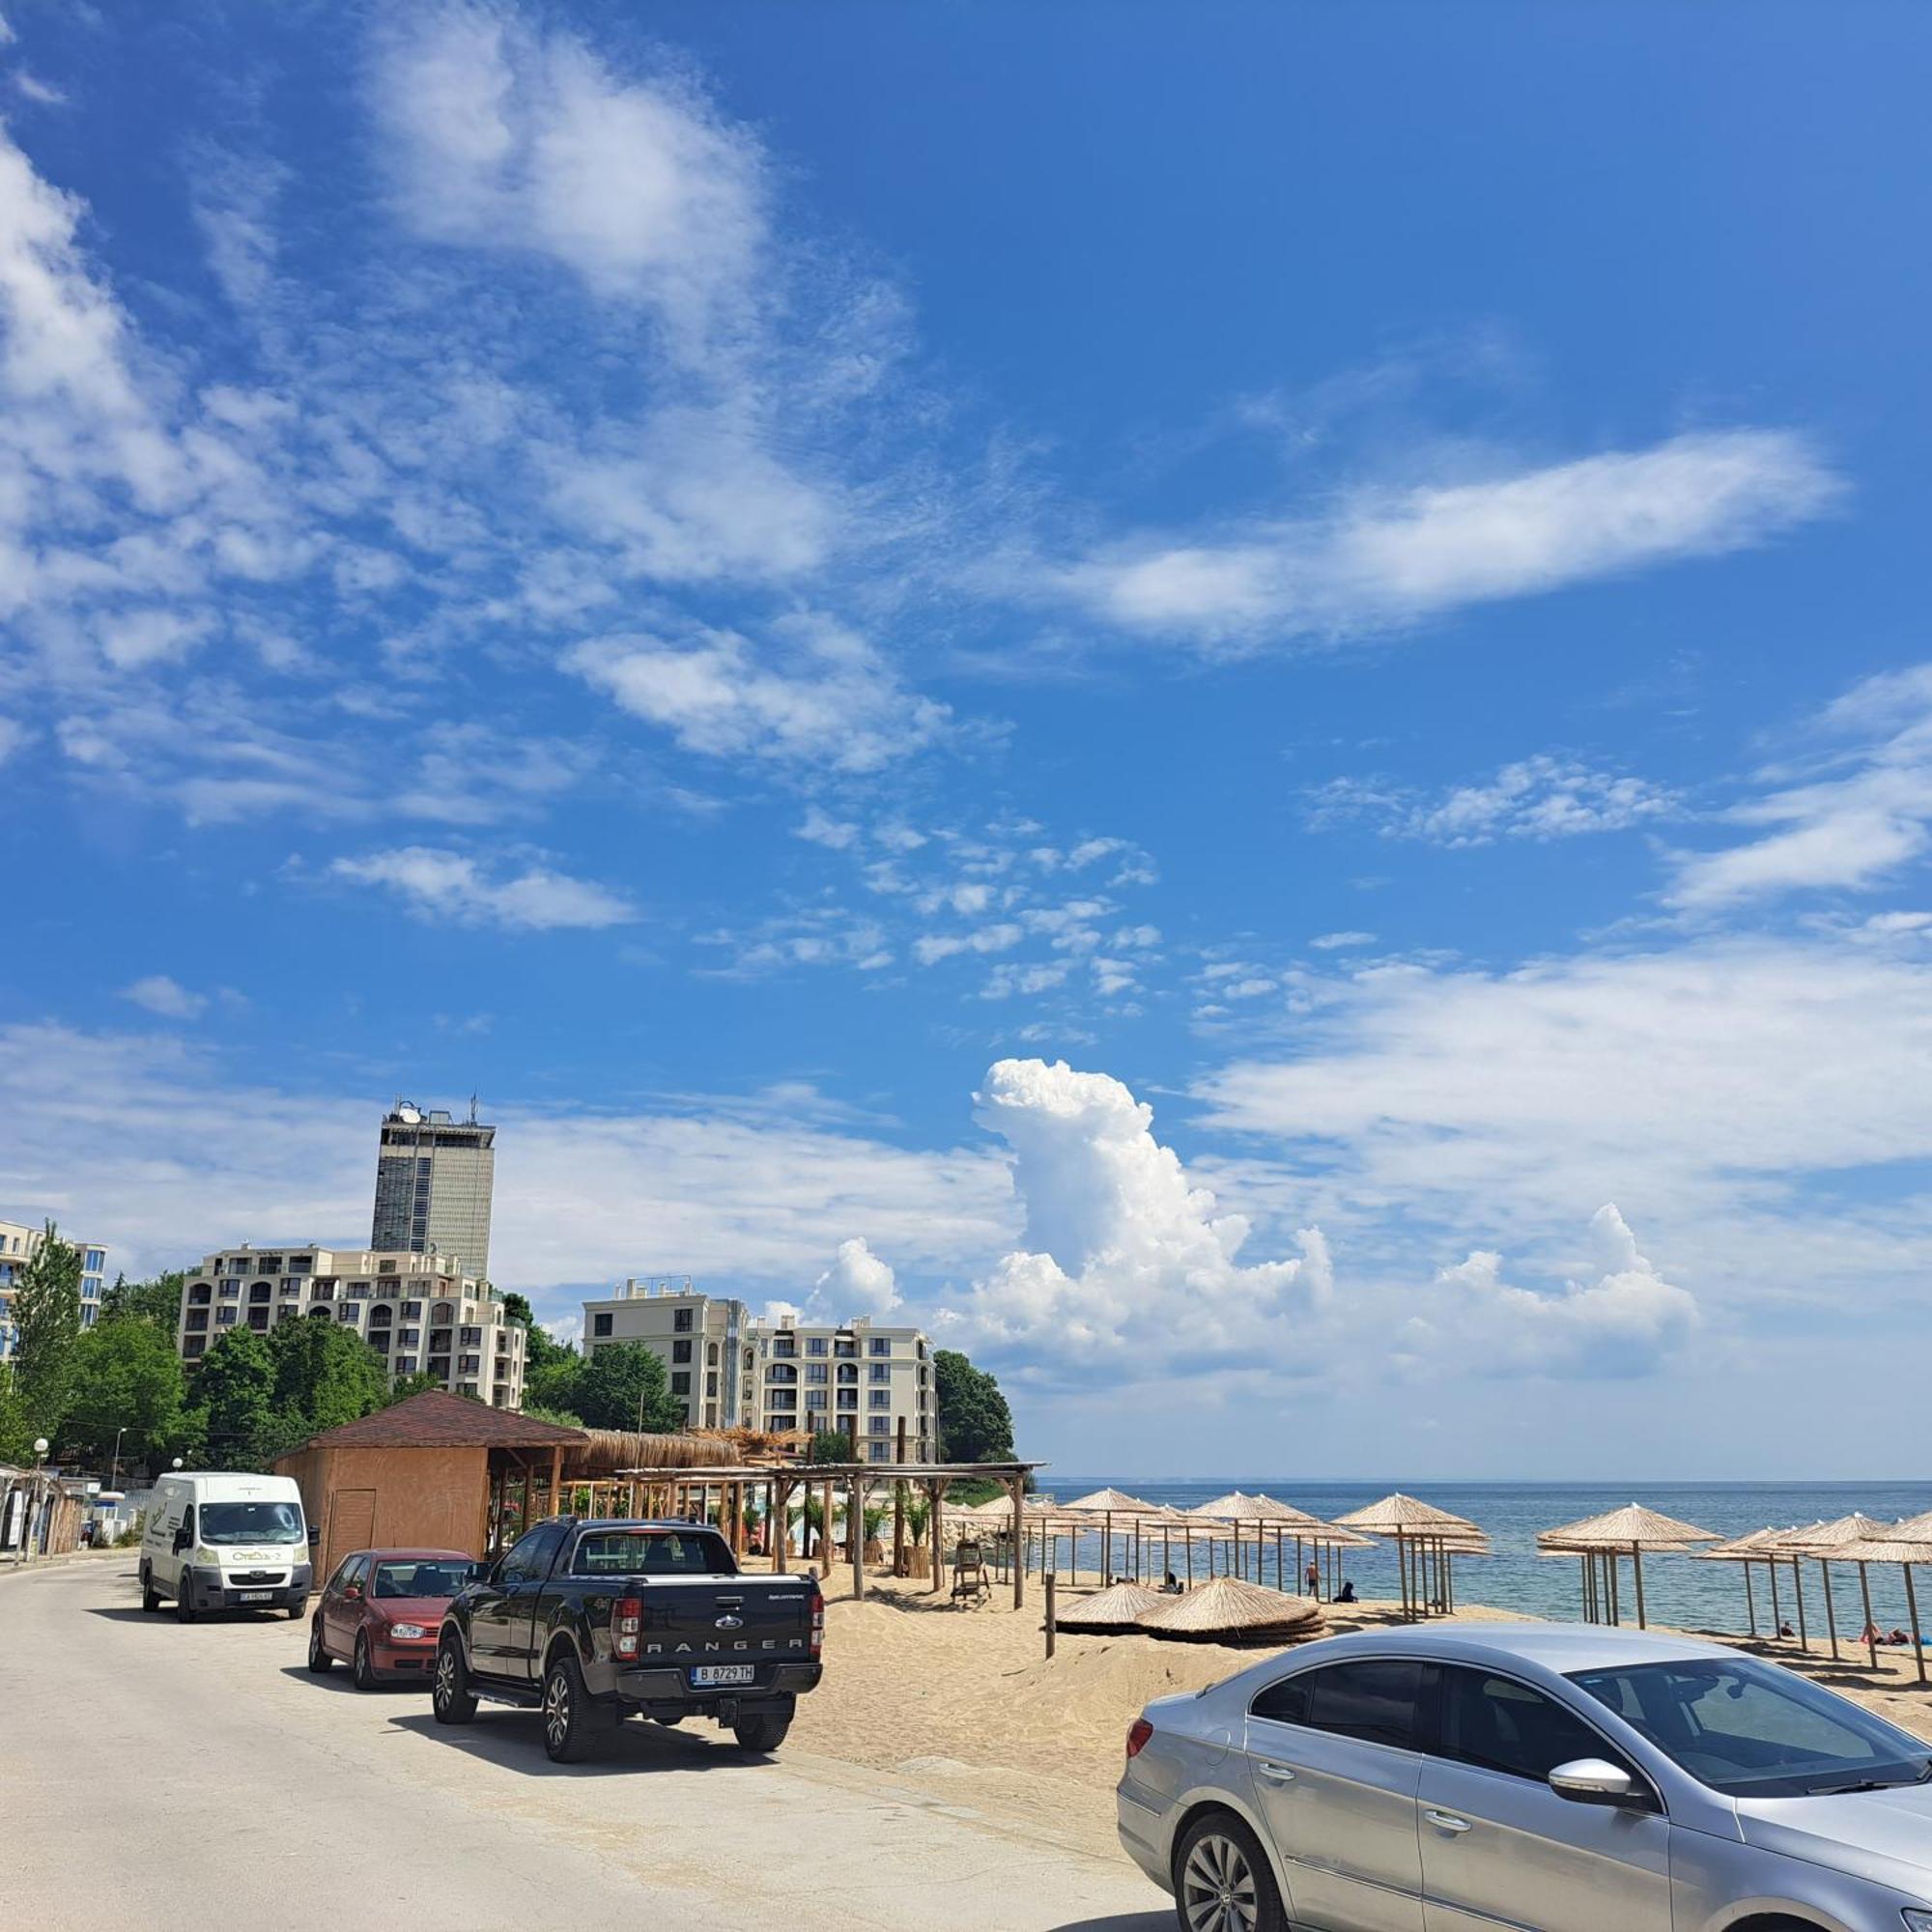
x=1537 y=798
x=1382 y=557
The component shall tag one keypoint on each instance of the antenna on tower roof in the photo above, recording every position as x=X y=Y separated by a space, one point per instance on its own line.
x=472 y=1110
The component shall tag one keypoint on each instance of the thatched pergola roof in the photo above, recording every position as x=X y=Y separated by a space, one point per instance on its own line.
x=611 y=1452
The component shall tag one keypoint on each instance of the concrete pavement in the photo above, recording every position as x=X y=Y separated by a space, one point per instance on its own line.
x=156 y=1776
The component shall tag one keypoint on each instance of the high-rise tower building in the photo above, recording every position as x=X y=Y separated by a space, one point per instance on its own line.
x=434 y=1177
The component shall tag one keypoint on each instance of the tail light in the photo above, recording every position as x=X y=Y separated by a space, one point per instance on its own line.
x=626 y=1621
x=817 y=1620
x=1138 y=1736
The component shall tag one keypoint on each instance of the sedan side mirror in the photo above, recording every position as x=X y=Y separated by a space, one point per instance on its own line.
x=353 y=1592
x=1591 y=1781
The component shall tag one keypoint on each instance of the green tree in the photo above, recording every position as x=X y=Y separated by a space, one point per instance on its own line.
x=829 y=1445
x=234 y=1398
x=975 y=1423
x=624 y=1386
x=156 y=1302
x=405 y=1386
x=555 y=1384
x=563 y=1418
x=16 y=1438
x=540 y=1351
x=127 y=1385
x=47 y=1329
x=326 y=1375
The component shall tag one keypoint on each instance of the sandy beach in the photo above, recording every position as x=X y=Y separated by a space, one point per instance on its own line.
x=963 y=1703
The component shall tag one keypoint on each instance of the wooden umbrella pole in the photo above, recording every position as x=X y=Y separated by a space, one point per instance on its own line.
x=1637 y=1568
x=1187 y=1545
x=1750 y=1602
x=1830 y=1609
x=1776 y=1616
x=1798 y=1590
x=1912 y=1605
x=1871 y=1629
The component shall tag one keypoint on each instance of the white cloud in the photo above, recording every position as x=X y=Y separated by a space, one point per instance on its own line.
x=446 y=885
x=1853 y=827
x=857 y=1283
x=12 y=735
x=820 y=828
x=822 y=697
x=1392 y=556
x=1342 y=942
x=1626 y=1322
x=1121 y=1251
x=166 y=997
x=1539 y=798
x=1002 y=937
x=41 y=92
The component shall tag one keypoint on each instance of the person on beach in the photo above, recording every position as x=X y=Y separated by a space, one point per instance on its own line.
x=1346 y=1593
x=1785 y=1630
x=1314 y=1579
x=1871 y=1636
x=1172 y=1587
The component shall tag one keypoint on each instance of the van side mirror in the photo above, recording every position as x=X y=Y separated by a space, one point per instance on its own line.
x=1591 y=1781
x=183 y=1540
x=314 y=1537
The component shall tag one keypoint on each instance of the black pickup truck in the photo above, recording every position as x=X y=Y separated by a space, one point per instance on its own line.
x=592 y=1621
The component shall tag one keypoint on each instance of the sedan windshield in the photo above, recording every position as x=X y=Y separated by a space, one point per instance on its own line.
x=1750 y=1731
x=426 y=1579
x=250 y=1523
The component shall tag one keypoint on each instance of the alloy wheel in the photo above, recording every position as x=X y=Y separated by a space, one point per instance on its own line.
x=445 y=1677
x=557 y=1709
x=1217 y=1888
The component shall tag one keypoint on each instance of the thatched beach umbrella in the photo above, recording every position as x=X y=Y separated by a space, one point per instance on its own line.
x=1822 y=1542
x=1107 y=1504
x=1888 y=1548
x=1633 y=1528
x=1747 y=1550
x=1229 y=1611
x=1111 y=1613
x=1410 y=1522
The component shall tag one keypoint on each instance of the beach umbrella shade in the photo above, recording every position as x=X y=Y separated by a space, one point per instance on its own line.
x=1822 y=1541
x=1633 y=1528
x=1746 y=1550
x=1111 y=1613
x=1231 y=1610
x=1107 y=1504
x=1409 y=1522
x=1891 y=1548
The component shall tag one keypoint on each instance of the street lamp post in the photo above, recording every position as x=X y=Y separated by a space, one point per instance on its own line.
x=113 y=1475
x=40 y=1456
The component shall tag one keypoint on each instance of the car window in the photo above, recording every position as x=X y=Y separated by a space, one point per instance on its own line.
x=1750 y=1731
x=1503 y=1725
x=355 y=1569
x=652 y=1552
x=532 y=1557
x=188 y=1523
x=251 y=1522
x=424 y=1576
x=1373 y=1698
x=340 y=1580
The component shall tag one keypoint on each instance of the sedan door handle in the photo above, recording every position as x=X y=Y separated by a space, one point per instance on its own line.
x=1443 y=1821
x=1275 y=1774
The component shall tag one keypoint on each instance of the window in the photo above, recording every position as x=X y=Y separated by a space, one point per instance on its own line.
x=258 y=1320
x=680 y=1321
x=349 y=1311
x=410 y=1337
x=882 y=1452
x=251 y=1522
x=848 y=1371
x=97 y=1260
x=430 y=1577
x=711 y=1354
x=379 y=1340
x=224 y=1318
x=652 y=1552
x=846 y=1347
x=406 y=1365
x=787 y=1398
x=197 y=1317
x=711 y=1381
x=1750 y=1731
x=531 y=1559
x=681 y=1381
x=600 y=1324
x=881 y=1372
x=412 y=1311
x=784 y=1344
x=199 y=1295
x=230 y=1290
x=781 y=1373
x=881 y=1399
x=816 y=1345
x=383 y=1316
x=881 y=1345
x=882 y=1425
x=818 y=1371
x=848 y=1398
x=680 y=1351
x=1503 y=1725
x=291 y=1289
x=1374 y=1700
x=193 y=1346
x=815 y=1398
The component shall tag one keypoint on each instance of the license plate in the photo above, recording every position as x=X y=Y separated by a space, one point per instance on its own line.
x=724 y=1673
x=254 y=1595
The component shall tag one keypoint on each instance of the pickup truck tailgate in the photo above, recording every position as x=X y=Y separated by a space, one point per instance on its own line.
x=699 y=1620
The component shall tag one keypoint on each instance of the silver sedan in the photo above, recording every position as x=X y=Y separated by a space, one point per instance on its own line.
x=1560 y=1778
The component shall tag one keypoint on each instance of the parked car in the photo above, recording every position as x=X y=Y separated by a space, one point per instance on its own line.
x=596 y=1621
x=381 y=1611
x=1571 y=1779
x=219 y=1542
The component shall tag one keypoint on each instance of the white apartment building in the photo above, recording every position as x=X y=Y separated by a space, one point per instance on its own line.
x=416 y=1311
x=20 y=1244
x=861 y=1377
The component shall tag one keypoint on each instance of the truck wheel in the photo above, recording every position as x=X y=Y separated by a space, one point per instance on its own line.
x=318 y=1660
x=760 y=1734
x=574 y=1725
x=151 y=1598
x=452 y=1699
x=184 y=1599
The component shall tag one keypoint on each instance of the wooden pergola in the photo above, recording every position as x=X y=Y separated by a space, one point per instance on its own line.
x=684 y=1491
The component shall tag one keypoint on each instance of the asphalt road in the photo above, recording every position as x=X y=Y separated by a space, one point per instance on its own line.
x=156 y=1777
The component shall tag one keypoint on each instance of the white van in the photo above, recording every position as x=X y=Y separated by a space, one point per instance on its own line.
x=221 y=1541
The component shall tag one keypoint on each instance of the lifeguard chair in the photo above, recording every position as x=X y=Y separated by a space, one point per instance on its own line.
x=970 y=1582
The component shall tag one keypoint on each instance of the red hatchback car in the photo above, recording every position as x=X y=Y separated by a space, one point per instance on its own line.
x=381 y=1613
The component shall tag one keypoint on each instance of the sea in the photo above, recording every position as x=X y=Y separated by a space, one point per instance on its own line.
x=1678 y=1590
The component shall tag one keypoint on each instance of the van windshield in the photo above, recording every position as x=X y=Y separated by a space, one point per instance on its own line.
x=250 y=1523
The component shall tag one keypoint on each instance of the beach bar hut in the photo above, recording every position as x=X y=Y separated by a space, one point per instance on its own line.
x=1413 y=1524
x=1628 y=1531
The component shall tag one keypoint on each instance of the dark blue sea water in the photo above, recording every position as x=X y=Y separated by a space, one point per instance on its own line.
x=1678 y=1590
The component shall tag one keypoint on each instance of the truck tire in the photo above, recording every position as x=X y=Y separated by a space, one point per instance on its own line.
x=184 y=1597
x=151 y=1598
x=451 y=1698
x=760 y=1734
x=318 y=1660
x=574 y=1724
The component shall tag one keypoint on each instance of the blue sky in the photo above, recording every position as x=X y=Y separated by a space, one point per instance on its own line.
x=749 y=590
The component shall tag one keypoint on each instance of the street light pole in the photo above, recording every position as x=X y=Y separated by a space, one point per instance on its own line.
x=40 y=1456
x=113 y=1475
